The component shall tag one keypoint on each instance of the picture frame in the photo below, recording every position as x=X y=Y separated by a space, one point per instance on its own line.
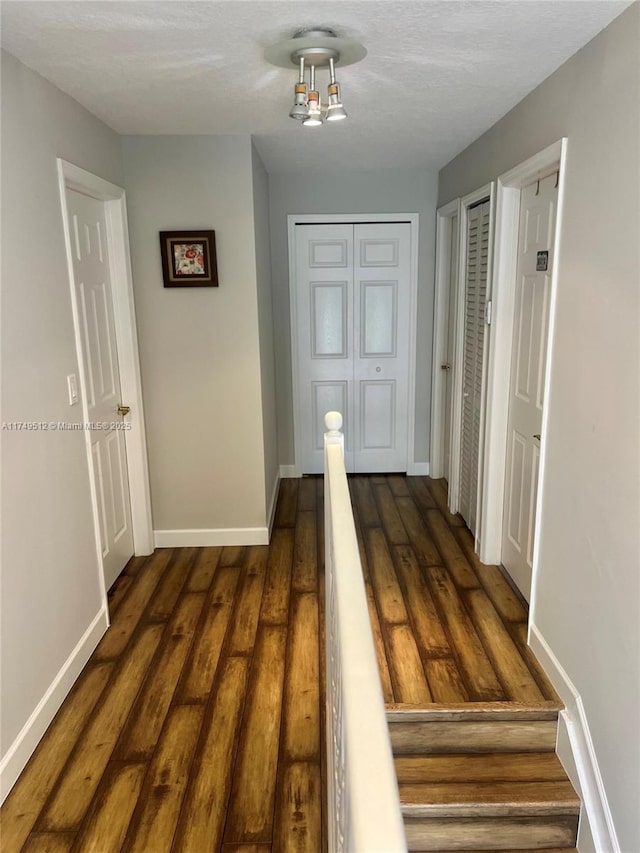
x=189 y=258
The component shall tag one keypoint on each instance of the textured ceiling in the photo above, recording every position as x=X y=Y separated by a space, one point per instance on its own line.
x=438 y=72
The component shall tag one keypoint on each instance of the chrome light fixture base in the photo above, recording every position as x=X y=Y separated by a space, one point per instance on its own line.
x=319 y=43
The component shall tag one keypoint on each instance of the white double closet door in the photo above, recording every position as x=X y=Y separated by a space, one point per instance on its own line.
x=353 y=306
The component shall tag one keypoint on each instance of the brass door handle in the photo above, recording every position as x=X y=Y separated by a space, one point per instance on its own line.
x=123 y=410
x=445 y=367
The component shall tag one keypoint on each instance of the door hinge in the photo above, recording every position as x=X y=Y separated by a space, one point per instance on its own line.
x=488 y=312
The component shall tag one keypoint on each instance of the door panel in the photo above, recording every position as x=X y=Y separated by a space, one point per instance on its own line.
x=526 y=399
x=101 y=378
x=329 y=319
x=518 y=454
x=329 y=253
x=324 y=291
x=377 y=252
x=378 y=318
x=353 y=313
x=381 y=334
x=377 y=404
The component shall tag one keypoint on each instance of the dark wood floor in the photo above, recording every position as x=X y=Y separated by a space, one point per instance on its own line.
x=448 y=629
x=197 y=724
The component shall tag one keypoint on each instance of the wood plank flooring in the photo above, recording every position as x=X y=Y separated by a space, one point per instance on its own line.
x=198 y=722
x=448 y=629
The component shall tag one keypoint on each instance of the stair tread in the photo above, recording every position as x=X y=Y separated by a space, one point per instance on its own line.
x=479 y=767
x=489 y=797
x=475 y=783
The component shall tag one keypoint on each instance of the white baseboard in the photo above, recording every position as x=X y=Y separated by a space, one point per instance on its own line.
x=288 y=472
x=564 y=750
x=217 y=536
x=16 y=757
x=414 y=469
x=271 y=514
x=582 y=761
x=418 y=469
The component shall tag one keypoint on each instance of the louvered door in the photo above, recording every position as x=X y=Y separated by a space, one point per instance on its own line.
x=477 y=261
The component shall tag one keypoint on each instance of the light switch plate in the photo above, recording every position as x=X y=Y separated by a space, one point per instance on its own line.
x=72 y=386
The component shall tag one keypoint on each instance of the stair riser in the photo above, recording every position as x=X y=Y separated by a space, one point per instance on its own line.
x=536 y=833
x=499 y=736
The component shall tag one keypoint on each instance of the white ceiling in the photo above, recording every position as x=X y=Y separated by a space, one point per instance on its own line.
x=438 y=72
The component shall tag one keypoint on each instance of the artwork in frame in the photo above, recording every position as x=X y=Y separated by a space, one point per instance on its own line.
x=189 y=258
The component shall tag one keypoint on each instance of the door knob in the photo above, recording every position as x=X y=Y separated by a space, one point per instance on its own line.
x=537 y=435
x=378 y=369
x=123 y=410
x=445 y=367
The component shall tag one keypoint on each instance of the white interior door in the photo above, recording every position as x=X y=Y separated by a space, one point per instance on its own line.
x=526 y=398
x=353 y=296
x=101 y=379
x=476 y=272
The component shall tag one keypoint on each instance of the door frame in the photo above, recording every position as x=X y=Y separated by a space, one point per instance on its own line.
x=485 y=192
x=444 y=231
x=74 y=178
x=354 y=219
x=509 y=186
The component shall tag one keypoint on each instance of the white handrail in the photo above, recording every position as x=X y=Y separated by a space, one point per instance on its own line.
x=364 y=804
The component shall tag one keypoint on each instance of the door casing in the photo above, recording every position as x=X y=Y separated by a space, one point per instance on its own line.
x=352 y=218
x=509 y=186
x=444 y=234
x=113 y=196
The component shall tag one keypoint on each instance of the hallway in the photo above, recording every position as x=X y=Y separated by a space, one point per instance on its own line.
x=197 y=724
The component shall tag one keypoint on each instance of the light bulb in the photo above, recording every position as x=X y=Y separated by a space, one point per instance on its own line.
x=335 y=110
x=314 y=109
x=299 y=110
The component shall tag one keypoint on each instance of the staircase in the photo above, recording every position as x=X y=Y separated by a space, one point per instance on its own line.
x=482 y=777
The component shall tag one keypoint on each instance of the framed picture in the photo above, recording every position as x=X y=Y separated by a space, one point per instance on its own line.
x=189 y=258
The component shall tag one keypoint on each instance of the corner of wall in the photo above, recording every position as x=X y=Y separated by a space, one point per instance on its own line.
x=18 y=754
x=577 y=752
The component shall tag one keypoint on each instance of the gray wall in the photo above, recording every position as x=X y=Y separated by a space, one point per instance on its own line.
x=199 y=347
x=265 y=321
x=385 y=191
x=586 y=594
x=50 y=573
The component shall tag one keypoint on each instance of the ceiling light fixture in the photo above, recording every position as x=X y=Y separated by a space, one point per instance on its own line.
x=312 y=49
